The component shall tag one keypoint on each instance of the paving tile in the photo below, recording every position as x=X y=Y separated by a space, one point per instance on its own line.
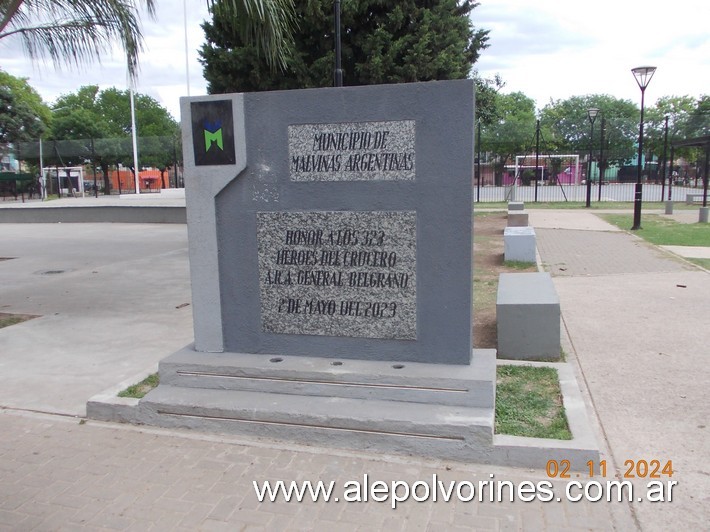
x=200 y=486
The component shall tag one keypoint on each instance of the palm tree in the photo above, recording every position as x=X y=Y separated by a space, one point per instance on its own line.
x=76 y=32
x=267 y=24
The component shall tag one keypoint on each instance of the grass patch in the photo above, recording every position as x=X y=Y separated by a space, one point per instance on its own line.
x=13 y=319
x=596 y=205
x=678 y=206
x=529 y=403
x=703 y=263
x=10 y=320
x=138 y=391
x=485 y=292
x=488 y=263
x=503 y=205
x=518 y=264
x=664 y=231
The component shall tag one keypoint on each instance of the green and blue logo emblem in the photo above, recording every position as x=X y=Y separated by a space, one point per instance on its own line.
x=213 y=132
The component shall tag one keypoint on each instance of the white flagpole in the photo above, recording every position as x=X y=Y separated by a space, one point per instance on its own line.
x=135 y=141
x=42 y=178
x=187 y=59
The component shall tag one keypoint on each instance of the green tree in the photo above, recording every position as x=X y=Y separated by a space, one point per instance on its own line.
x=382 y=42
x=99 y=124
x=268 y=25
x=687 y=118
x=486 y=94
x=23 y=114
x=567 y=126
x=510 y=131
x=77 y=32
x=698 y=124
x=678 y=109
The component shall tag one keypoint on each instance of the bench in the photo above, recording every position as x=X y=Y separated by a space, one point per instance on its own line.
x=528 y=317
x=519 y=244
x=516 y=206
x=692 y=198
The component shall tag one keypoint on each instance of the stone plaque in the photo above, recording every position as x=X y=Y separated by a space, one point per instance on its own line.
x=352 y=151
x=338 y=273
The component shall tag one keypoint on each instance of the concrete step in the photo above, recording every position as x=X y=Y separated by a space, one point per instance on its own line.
x=469 y=386
x=397 y=427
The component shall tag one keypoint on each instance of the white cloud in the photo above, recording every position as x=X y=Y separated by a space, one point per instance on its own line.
x=162 y=72
x=547 y=49
x=588 y=48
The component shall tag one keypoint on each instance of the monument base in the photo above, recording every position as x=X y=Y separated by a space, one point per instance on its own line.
x=433 y=410
x=437 y=411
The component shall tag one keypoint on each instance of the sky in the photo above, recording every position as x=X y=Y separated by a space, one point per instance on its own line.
x=547 y=49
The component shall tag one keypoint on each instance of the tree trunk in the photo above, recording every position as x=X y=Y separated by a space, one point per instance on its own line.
x=107 y=178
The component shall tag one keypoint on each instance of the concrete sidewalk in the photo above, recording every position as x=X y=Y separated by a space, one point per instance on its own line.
x=172 y=198
x=118 y=306
x=59 y=474
x=637 y=317
x=168 y=207
x=113 y=299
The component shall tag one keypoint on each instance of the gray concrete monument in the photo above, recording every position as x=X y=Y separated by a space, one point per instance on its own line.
x=330 y=239
x=330 y=235
x=338 y=225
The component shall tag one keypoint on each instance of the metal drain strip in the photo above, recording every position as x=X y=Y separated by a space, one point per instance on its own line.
x=328 y=383
x=310 y=426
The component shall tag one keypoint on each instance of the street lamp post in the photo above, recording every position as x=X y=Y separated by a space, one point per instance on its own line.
x=643 y=77
x=478 y=163
x=665 y=161
x=592 y=114
x=602 y=163
x=537 y=155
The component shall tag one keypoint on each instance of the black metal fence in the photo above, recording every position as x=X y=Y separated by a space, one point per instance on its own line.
x=152 y=151
x=569 y=184
x=542 y=178
x=109 y=161
x=608 y=192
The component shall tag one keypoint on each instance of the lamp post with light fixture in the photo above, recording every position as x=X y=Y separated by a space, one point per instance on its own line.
x=643 y=77
x=602 y=162
x=592 y=115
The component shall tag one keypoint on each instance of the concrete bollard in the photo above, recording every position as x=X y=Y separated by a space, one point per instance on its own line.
x=703 y=215
x=669 y=207
x=517 y=218
x=519 y=244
